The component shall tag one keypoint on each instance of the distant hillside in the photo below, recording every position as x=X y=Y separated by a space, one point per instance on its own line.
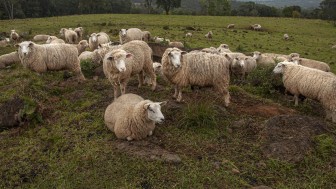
x=284 y=3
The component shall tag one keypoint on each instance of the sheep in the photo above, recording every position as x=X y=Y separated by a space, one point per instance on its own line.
x=53 y=57
x=132 y=58
x=230 y=26
x=211 y=50
x=333 y=47
x=70 y=36
x=97 y=55
x=14 y=36
x=4 y=42
x=157 y=66
x=200 y=69
x=176 y=44
x=79 y=31
x=263 y=60
x=311 y=63
x=131 y=117
x=81 y=46
x=160 y=40
x=256 y=27
x=98 y=38
x=232 y=55
x=40 y=37
x=53 y=40
x=242 y=66
x=189 y=34
x=209 y=35
x=312 y=83
x=127 y=35
x=146 y=36
x=285 y=36
x=223 y=48
x=9 y=59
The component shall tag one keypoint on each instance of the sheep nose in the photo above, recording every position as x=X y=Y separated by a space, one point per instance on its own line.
x=162 y=119
x=25 y=53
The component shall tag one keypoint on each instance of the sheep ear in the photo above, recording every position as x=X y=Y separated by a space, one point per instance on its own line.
x=163 y=103
x=31 y=44
x=17 y=45
x=99 y=46
x=246 y=58
x=98 y=35
x=183 y=52
x=129 y=55
x=228 y=56
x=110 y=58
x=147 y=106
x=236 y=58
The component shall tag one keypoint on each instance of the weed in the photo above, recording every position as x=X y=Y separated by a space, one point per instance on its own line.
x=325 y=145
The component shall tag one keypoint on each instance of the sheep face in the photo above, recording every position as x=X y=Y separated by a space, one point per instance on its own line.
x=256 y=55
x=84 y=43
x=292 y=55
x=225 y=46
x=239 y=61
x=175 y=56
x=94 y=37
x=7 y=40
x=296 y=60
x=50 y=39
x=154 y=111
x=62 y=31
x=157 y=67
x=279 y=68
x=118 y=59
x=25 y=48
x=123 y=32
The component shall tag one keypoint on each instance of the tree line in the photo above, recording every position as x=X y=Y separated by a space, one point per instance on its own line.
x=10 y=9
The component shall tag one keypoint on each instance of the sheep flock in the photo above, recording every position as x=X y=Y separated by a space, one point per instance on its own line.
x=130 y=116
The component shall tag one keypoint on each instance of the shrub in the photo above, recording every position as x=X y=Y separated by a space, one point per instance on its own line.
x=87 y=68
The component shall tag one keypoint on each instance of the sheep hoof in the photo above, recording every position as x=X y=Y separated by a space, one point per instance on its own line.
x=129 y=138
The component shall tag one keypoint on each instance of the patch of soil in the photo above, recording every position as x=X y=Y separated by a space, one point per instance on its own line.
x=290 y=138
x=147 y=150
x=9 y=113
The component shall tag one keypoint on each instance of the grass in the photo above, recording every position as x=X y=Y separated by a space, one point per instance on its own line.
x=66 y=144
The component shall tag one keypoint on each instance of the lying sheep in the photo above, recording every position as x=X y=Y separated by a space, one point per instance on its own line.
x=176 y=44
x=81 y=46
x=79 y=31
x=98 y=38
x=160 y=40
x=54 y=40
x=14 y=36
x=230 y=26
x=285 y=36
x=133 y=118
x=256 y=27
x=127 y=35
x=223 y=48
x=132 y=58
x=4 y=42
x=188 y=34
x=146 y=36
x=209 y=35
x=311 y=63
x=97 y=55
x=333 y=47
x=40 y=37
x=9 y=59
x=242 y=66
x=201 y=69
x=70 y=36
x=53 y=57
x=311 y=83
x=263 y=60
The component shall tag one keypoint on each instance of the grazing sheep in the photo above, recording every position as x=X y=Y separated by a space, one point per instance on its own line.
x=256 y=27
x=189 y=34
x=14 y=36
x=81 y=46
x=132 y=58
x=209 y=35
x=127 y=35
x=79 y=31
x=54 y=40
x=285 y=36
x=158 y=71
x=98 y=38
x=4 y=42
x=201 y=69
x=9 y=59
x=133 y=118
x=230 y=26
x=242 y=66
x=223 y=48
x=176 y=44
x=53 y=57
x=311 y=83
x=40 y=37
x=70 y=36
x=160 y=40
x=263 y=60
x=311 y=63
x=146 y=36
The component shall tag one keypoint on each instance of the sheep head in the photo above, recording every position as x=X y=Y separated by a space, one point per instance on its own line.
x=118 y=59
x=123 y=32
x=24 y=48
x=154 y=111
x=175 y=56
x=279 y=68
x=256 y=55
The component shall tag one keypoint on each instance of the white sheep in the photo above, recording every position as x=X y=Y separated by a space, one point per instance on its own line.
x=98 y=38
x=211 y=50
x=242 y=66
x=333 y=47
x=230 y=26
x=14 y=36
x=146 y=36
x=9 y=59
x=201 y=69
x=53 y=40
x=40 y=37
x=311 y=63
x=53 y=57
x=176 y=44
x=160 y=40
x=158 y=71
x=4 y=42
x=70 y=36
x=127 y=35
x=132 y=58
x=80 y=32
x=263 y=60
x=312 y=83
x=209 y=35
x=223 y=48
x=131 y=117
x=189 y=34
x=256 y=27
x=286 y=36
x=81 y=46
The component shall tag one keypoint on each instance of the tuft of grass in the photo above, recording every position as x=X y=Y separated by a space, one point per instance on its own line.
x=325 y=145
x=87 y=68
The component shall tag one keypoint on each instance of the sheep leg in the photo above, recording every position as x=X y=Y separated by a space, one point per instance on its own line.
x=179 y=96
x=129 y=138
x=150 y=133
x=296 y=100
x=328 y=115
x=226 y=97
x=153 y=80
x=141 y=79
x=176 y=92
x=115 y=90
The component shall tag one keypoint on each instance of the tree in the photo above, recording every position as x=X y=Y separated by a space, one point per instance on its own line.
x=148 y=5
x=288 y=11
x=328 y=8
x=168 y=4
x=215 y=7
x=9 y=7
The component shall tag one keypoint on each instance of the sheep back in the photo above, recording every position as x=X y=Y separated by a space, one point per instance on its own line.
x=8 y=59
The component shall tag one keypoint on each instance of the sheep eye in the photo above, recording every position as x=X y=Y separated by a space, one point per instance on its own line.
x=150 y=109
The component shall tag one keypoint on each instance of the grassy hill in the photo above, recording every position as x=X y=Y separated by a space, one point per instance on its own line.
x=65 y=144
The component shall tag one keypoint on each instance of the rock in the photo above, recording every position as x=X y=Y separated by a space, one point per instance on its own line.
x=9 y=113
